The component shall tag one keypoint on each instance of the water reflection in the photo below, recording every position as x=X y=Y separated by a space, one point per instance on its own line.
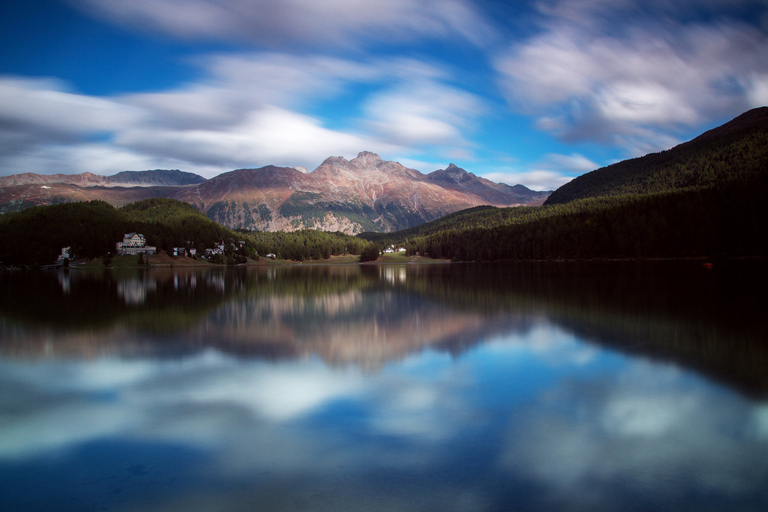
x=709 y=320
x=385 y=388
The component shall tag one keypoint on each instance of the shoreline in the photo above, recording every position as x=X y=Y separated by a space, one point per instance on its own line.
x=186 y=262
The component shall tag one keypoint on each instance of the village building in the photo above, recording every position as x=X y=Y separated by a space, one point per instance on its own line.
x=64 y=255
x=135 y=243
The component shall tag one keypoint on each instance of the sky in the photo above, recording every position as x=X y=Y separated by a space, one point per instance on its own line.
x=534 y=92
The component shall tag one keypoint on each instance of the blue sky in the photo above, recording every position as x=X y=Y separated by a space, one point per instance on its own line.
x=531 y=92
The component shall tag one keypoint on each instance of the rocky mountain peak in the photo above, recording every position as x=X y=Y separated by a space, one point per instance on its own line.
x=334 y=160
x=366 y=159
x=452 y=173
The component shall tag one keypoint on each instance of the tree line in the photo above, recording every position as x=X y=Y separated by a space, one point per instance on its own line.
x=35 y=236
x=727 y=221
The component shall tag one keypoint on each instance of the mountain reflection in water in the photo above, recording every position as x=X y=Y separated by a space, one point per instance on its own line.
x=451 y=387
x=711 y=320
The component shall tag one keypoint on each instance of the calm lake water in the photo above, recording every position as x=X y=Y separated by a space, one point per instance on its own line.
x=568 y=387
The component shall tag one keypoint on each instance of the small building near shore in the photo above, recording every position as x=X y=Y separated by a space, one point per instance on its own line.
x=135 y=243
x=64 y=255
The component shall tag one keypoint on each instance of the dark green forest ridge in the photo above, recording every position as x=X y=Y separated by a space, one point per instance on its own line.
x=735 y=150
x=36 y=235
x=704 y=198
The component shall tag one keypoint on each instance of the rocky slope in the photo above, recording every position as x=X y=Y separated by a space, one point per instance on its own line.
x=362 y=194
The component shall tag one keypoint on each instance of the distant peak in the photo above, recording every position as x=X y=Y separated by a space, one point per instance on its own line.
x=334 y=160
x=367 y=157
x=454 y=170
x=453 y=174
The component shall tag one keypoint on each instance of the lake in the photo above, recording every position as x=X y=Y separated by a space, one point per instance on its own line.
x=450 y=387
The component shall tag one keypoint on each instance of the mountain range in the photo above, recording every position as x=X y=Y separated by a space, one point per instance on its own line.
x=365 y=193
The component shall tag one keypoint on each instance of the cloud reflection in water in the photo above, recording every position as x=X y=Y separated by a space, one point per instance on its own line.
x=487 y=409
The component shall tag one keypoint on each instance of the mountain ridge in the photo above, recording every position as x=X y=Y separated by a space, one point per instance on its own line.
x=362 y=194
x=156 y=177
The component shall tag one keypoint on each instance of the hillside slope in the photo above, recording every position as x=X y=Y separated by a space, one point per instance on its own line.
x=737 y=150
x=704 y=198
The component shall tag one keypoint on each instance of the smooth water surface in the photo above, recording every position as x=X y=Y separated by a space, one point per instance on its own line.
x=362 y=388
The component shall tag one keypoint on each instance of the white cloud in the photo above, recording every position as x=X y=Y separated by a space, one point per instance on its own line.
x=41 y=110
x=54 y=158
x=549 y=174
x=46 y=104
x=638 y=87
x=293 y=22
x=245 y=112
x=423 y=113
x=758 y=89
x=534 y=180
x=267 y=136
x=574 y=162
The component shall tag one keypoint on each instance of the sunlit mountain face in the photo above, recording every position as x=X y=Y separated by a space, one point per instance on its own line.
x=362 y=194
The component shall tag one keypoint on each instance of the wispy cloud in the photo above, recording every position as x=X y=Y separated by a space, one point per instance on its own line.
x=424 y=112
x=267 y=136
x=246 y=111
x=34 y=109
x=552 y=172
x=638 y=86
x=296 y=22
x=292 y=82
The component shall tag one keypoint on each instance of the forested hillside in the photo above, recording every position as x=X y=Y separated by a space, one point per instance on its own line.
x=738 y=150
x=727 y=222
x=36 y=235
x=705 y=198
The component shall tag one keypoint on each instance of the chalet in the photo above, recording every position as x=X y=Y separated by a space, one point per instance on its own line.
x=64 y=255
x=219 y=249
x=135 y=243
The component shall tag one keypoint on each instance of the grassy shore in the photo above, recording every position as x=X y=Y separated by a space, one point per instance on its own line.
x=164 y=260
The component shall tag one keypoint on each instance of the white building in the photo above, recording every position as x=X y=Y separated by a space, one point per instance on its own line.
x=64 y=254
x=135 y=243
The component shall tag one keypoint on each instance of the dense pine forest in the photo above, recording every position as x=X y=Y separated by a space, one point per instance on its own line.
x=730 y=221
